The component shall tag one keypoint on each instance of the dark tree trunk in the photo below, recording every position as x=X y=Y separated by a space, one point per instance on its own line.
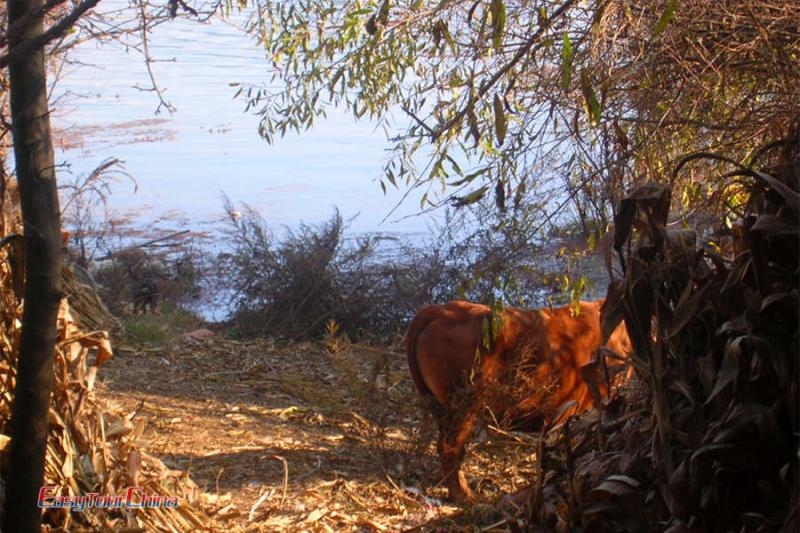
x=33 y=152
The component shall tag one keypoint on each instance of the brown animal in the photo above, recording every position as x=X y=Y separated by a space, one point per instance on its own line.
x=523 y=375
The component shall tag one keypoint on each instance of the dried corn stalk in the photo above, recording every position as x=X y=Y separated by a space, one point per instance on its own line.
x=709 y=443
x=91 y=449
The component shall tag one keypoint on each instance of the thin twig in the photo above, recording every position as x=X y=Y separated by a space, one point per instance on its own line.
x=148 y=60
x=142 y=245
x=9 y=238
x=252 y=514
x=285 y=478
x=216 y=480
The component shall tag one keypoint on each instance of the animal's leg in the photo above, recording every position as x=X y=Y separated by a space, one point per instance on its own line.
x=454 y=432
x=154 y=306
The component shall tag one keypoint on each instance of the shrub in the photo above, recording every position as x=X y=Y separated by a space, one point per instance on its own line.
x=711 y=444
x=291 y=286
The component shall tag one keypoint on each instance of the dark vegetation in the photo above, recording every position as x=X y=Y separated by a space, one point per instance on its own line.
x=709 y=440
x=135 y=281
x=291 y=286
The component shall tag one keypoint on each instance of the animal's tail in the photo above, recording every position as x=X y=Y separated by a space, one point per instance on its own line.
x=420 y=322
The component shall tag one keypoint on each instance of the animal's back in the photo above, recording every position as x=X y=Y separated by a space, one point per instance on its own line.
x=437 y=342
x=576 y=337
x=442 y=341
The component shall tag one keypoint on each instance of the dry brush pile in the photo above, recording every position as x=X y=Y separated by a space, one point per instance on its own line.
x=92 y=447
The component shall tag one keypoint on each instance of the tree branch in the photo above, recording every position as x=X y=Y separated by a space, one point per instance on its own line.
x=56 y=31
x=419 y=121
x=20 y=24
x=148 y=60
x=144 y=244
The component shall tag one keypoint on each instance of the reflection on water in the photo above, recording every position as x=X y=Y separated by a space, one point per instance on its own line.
x=183 y=160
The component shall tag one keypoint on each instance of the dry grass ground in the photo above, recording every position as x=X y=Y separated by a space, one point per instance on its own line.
x=316 y=437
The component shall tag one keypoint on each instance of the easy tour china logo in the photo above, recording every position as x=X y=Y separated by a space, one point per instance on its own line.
x=134 y=498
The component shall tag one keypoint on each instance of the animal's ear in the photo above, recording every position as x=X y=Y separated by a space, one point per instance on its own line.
x=613 y=310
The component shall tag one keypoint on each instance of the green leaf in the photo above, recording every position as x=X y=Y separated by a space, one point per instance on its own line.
x=590 y=99
x=453 y=163
x=666 y=17
x=469 y=177
x=500 y=124
x=339 y=73
x=519 y=196
x=543 y=20
x=383 y=13
x=471 y=198
x=626 y=7
x=566 y=62
x=498 y=11
x=486 y=335
x=591 y=242
x=441 y=31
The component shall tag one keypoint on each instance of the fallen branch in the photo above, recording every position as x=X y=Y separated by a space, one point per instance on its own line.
x=144 y=244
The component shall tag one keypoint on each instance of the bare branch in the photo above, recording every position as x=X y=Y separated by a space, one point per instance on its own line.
x=56 y=31
x=148 y=60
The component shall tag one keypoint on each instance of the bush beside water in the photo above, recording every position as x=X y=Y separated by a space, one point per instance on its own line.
x=290 y=285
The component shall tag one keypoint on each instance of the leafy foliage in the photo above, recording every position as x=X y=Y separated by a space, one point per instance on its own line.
x=577 y=97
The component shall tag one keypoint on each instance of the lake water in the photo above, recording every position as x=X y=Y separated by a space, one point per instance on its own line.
x=183 y=161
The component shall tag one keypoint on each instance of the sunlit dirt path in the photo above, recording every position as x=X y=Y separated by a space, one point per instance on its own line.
x=242 y=417
x=298 y=437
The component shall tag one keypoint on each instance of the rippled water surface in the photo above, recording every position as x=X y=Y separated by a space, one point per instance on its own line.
x=183 y=160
